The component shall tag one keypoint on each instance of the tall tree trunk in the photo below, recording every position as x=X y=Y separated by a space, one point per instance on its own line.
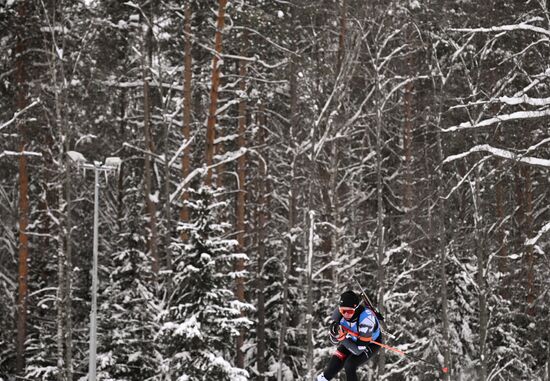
x=167 y=208
x=146 y=54
x=260 y=237
x=501 y=236
x=335 y=233
x=335 y=158
x=187 y=79
x=442 y=240
x=500 y=205
x=481 y=282
x=407 y=142
x=309 y=305
x=519 y=219
x=68 y=278
x=211 y=123
x=68 y=226
x=342 y=36
x=241 y=199
x=548 y=355
x=120 y=174
x=381 y=274
x=64 y=338
x=528 y=232
x=310 y=223
x=20 y=75
x=61 y=310
x=120 y=198
x=524 y=220
x=289 y=255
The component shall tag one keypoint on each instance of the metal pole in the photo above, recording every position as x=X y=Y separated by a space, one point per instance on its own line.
x=310 y=298
x=93 y=314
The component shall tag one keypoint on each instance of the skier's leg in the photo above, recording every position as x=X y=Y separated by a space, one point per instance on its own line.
x=353 y=362
x=335 y=364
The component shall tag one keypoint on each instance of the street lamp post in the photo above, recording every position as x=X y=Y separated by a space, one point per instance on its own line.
x=111 y=164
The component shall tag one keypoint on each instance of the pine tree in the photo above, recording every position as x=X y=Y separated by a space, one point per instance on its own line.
x=128 y=315
x=203 y=317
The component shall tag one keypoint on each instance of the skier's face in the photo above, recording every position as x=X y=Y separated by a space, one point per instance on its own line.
x=347 y=312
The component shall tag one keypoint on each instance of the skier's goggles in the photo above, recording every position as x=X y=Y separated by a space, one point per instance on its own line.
x=347 y=310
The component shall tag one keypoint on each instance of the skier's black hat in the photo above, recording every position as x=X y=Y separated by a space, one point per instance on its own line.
x=349 y=299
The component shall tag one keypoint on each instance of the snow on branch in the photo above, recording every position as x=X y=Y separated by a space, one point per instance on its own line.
x=400 y=85
x=221 y=159
x=538 y=78
x=504 y=28
x=180 y=150
x=500 y=118
x=139 y=84
x=533 y=241
x=7 y=279
x=525 y=100
x=24 y=153
x=503 y=154
x=254 y=59
x=264 y=37
x=534 y=147
x=187 y=180
x=16 y=115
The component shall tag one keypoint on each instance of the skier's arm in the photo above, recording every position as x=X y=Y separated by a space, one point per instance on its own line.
x=335 y=332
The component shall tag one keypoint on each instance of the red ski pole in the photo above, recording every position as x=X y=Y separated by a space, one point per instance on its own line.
x=395 y=350
x=401 y=353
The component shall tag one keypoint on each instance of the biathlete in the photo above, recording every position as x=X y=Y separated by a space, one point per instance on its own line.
x=353 y=329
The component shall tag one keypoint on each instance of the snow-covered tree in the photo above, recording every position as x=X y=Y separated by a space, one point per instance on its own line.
x=203 y=317
x=128 y=311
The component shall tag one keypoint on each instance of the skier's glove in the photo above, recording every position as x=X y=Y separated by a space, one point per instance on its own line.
x=335 y=328
x=335 y=333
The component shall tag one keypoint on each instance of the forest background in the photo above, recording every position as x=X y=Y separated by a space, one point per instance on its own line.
x=272 y=153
